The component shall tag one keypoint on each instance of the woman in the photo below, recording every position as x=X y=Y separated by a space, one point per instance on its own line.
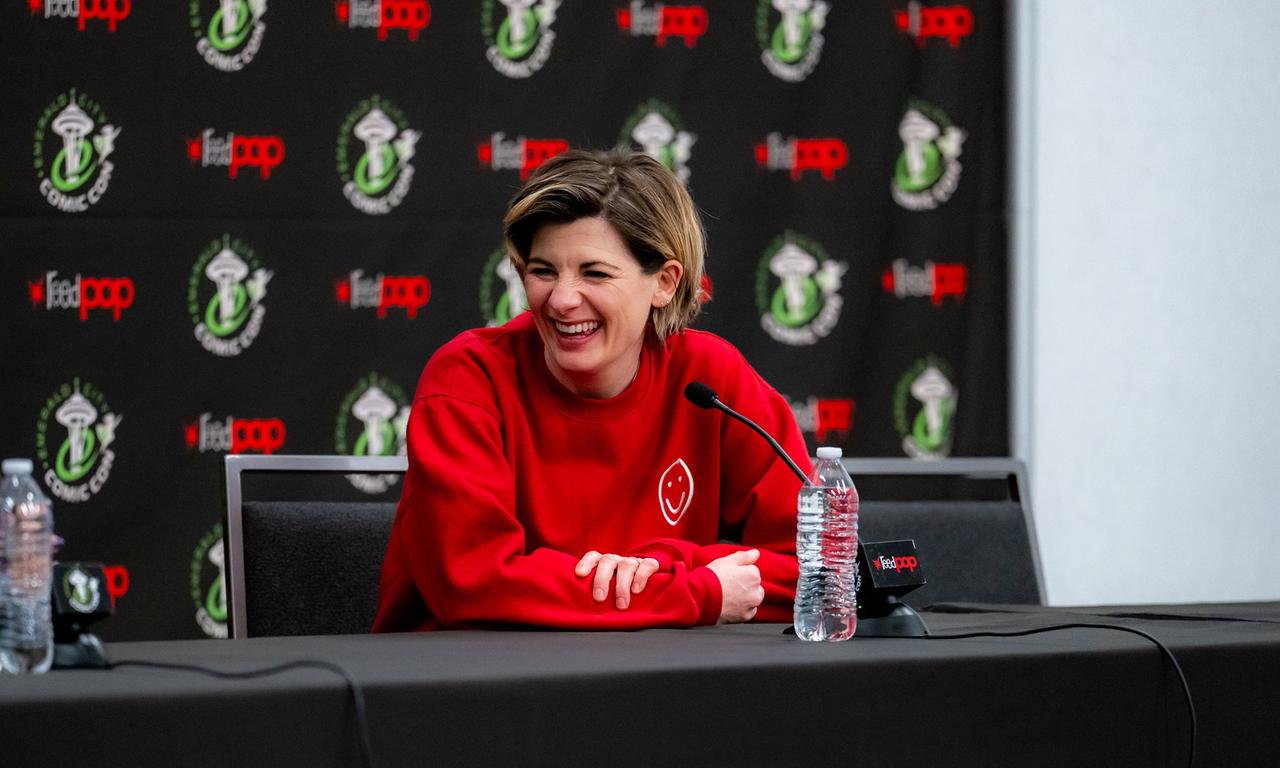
x=557 y=477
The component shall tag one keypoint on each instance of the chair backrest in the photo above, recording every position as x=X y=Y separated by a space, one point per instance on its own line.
x=979 y=550
x=304 y=567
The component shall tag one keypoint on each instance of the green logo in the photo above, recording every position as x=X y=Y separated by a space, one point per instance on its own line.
x=224 y=296
x=232 y=36
x=208 y=583
x=82 y=590
x=520 y=43
x=928 y=168
x=502 y=294
x=791 y=39
x=372 y=421
x=375 y=145
x=797 y=290
x=657 y=130
x=77 y=466
x=79 y=172
x=924 y=407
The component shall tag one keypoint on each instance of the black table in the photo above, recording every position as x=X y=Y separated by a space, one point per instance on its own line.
x=742 y=695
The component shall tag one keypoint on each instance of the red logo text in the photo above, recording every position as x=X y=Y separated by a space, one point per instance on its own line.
x=111 y=294
x=898 y=564
x=117 y=582
x=520 y=153
x=235 y=435
x=110 y=11
x=412 y=16
x=950 y=22
x=659 y=21
x=937 y=281
x=236 y=152
x=826 y=156
x=384 y=292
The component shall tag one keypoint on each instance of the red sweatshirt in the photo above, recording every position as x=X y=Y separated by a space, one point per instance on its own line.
x=512 y=479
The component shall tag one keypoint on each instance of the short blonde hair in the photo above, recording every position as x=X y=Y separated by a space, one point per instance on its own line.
x=643 y=201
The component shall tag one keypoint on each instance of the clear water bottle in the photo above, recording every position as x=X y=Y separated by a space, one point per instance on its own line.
x=827 y=548
x=26 y=642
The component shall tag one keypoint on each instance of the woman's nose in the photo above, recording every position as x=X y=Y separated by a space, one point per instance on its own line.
x=565 y=295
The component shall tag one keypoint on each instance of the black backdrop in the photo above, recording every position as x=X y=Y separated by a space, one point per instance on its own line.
x=784 y=159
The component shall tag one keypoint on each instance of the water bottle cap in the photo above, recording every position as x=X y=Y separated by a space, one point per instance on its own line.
x=16 y=466
x=829 y=452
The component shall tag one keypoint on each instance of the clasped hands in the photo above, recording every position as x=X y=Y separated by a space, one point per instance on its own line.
x=740 y=585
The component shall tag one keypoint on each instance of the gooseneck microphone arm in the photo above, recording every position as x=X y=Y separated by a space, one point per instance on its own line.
x=705 y=397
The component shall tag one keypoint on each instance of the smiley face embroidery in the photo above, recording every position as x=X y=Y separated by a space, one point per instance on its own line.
x=675 y=491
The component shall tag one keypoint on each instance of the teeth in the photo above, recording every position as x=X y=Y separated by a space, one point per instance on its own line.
x=576 y=328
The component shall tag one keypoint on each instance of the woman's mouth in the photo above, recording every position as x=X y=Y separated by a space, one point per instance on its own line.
x=577 y=330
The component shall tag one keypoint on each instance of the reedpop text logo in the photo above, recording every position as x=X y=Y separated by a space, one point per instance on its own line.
x=412 y=16
x=111 y=294
x=826 y=156
x=949 y=22
x=659 y=21
x=110 y=11
x=522 y=154
x=235 y=152
x=235 y=435
x=936 y=281
x=79 y=173
x=384 y=292
x=824 y=416
x=78 y=466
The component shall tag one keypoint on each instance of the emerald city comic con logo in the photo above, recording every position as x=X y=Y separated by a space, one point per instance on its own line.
x=656 y=129
x=372 y=421
x=231 y=36
x=791 y=39
x=375 y=145
x=70 y=155
x=502 y=295
x=224 y=297
x=76 y=454
x=798 y=290
x=208 y=583
x=928 y=169
x=924 y=408
x=520 y=39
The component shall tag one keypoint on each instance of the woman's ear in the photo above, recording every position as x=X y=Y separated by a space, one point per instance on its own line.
x=668 y=281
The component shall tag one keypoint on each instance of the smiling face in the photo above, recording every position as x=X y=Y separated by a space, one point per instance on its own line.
x=590 y=301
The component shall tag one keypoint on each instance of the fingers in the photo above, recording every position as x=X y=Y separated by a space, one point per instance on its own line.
x=622 y=581
x=604 y=574
x=747 y=556
x=588 y=561
x=648 y=567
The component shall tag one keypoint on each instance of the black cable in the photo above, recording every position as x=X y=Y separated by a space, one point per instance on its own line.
x=1186 y=689
x=357 y=693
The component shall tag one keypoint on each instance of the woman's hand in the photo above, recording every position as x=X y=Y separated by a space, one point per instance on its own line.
x=632 y=574
x=739 y=584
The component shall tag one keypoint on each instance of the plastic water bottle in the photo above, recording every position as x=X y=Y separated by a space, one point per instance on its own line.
x=827 y=548
x=26 y=642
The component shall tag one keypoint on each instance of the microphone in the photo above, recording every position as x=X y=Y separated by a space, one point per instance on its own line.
x=705 y=397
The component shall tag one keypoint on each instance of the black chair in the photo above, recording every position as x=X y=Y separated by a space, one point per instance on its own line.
x=304 y=567
x=970 y=519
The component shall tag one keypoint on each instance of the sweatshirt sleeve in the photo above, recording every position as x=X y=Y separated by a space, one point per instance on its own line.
x=758 y=496
x=462 y=548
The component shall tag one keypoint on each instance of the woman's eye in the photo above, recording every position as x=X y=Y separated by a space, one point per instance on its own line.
x=541 y=272
x=595 y=275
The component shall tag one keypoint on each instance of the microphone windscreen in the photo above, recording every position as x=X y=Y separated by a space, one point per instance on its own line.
x=700 y=394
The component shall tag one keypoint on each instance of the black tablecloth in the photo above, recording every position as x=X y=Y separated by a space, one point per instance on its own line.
x=741 y=695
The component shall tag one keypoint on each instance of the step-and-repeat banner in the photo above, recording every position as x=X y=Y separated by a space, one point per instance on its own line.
x=242 y=226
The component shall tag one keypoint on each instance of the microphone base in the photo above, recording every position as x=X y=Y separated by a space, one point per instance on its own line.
x=84 y=652
x=893 y=618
